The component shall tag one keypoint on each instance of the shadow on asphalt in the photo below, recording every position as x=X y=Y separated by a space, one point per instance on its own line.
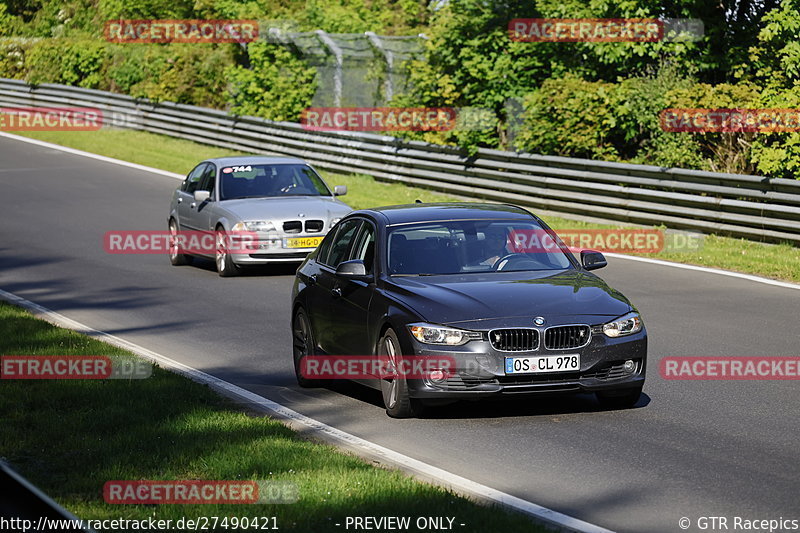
x=530 y=405
x=276 y=269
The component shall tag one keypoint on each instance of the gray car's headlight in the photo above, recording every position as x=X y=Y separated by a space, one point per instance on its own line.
x=432 y=334
x=254 y=225
x=334 y=221
x=626 y=325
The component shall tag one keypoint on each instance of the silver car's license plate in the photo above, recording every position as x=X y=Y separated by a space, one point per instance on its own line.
x=543 y=363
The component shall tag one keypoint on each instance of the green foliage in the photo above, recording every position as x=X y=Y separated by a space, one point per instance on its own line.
x=572 y=116
x=182 y=73
x=590 y=99
x=775 y=65
x=278 y=86
x=725 y=152
x=12 y=57
x=70 y=62
x=9 y=24
x=145 y=9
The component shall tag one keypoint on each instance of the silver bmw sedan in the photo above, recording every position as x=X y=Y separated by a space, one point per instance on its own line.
x=259 y=210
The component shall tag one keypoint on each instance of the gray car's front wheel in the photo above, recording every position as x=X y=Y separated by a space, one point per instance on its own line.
x=176 y=257
x=395 y=388
x=226 y=268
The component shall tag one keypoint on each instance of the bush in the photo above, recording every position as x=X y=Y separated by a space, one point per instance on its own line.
x=70 y=62
x=181 y=73
x=278 y=86
x=572 y=117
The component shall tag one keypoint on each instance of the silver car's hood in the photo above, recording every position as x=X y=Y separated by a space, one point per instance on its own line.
x=283 y=207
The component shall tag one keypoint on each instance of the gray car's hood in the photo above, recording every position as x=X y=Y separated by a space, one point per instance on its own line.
x=285 y=207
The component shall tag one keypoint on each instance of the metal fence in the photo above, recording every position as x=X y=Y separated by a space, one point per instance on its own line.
x=746 y=206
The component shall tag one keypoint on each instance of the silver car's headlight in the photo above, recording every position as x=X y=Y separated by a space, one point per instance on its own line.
x=254 y=225
x=625 y=325
x=335 y=221
x=432 y=334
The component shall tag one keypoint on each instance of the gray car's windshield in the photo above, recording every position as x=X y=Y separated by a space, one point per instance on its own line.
x=252 y=181
x=465 y=246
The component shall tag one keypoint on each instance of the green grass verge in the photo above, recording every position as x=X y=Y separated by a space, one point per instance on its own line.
x=71 y=436
x=176 y=155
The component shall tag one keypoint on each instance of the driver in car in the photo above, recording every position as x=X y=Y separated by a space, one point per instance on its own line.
x=494 y=246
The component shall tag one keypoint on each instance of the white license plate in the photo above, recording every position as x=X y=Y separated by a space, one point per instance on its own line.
x=302 y=242
x=541 y=364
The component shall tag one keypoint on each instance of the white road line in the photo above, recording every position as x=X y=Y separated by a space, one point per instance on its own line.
x=308 y=425
x=92 y=156
x=749 y=277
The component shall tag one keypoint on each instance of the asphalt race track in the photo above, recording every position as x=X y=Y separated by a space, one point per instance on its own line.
x=689 y=449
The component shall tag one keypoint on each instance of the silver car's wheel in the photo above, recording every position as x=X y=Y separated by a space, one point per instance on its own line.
x=225 y=265
x=394 y=388
x=176 y=257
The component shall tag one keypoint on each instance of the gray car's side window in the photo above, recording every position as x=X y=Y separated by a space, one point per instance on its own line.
x=341 y=242
x=193 y=179
x=207 y=179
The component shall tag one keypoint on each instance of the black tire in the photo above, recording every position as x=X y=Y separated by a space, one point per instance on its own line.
x=395 y=391
x=302 y=345
x=176 y=255
x=226 y=268
x=619 y=400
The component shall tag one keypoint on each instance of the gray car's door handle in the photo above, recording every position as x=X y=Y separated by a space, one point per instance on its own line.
x=312 y=279
x=180 y=200
x=336 y=291
x=193 y=205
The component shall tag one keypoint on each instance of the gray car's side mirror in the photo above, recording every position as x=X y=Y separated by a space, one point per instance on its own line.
x=592 y=260
x=340 y=190
x=201 y=196
x=353 y=269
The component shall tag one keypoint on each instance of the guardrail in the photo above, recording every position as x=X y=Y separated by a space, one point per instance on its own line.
x=752 y=207
x=23 y=506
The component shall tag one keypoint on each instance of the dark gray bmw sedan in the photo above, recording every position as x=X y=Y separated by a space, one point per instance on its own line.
x=448 y=281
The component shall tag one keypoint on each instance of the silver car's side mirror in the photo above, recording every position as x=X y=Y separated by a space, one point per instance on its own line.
x=201 y=196
x=340 y=190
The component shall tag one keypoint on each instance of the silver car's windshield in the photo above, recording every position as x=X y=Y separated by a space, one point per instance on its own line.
x=465 y=246
x=253 y=181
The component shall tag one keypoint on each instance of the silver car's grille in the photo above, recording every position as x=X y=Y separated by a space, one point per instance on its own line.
x=567 y=337
x=514 y=340
x=314 y=226
x=292 y=226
